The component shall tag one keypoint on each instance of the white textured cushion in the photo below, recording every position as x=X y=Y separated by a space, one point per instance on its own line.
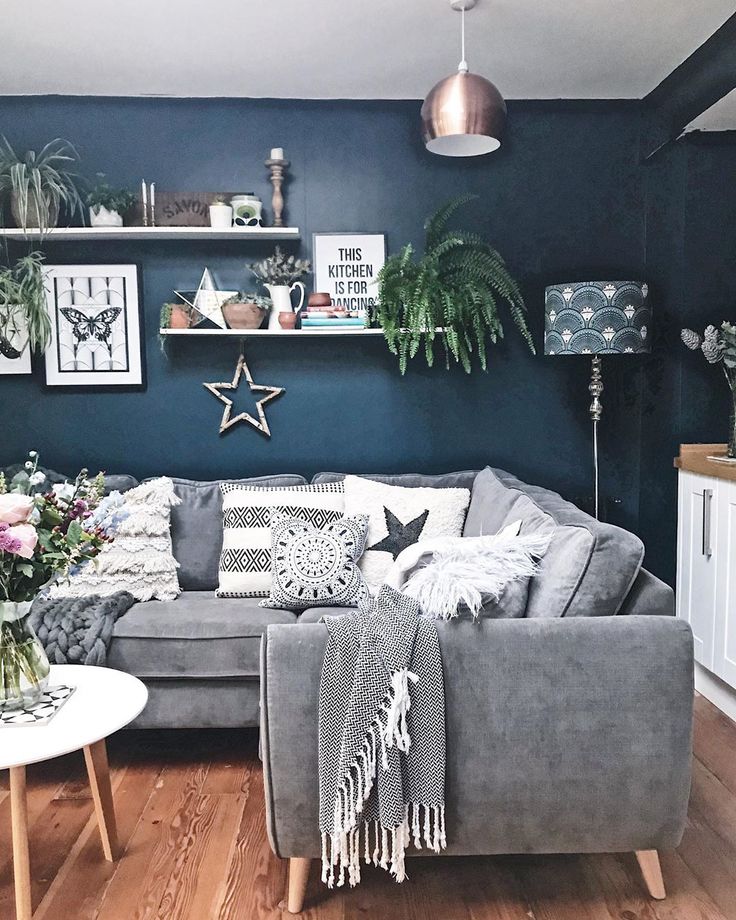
x=139 y=559
x=245 y=562
x=399 y=516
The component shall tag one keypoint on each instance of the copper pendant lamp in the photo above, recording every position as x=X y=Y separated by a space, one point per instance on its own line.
x=464 y=115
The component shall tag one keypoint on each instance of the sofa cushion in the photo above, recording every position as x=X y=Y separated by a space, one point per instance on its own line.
x=195 y=636
x=196 y=526
x=461 y=480
x=589 y=567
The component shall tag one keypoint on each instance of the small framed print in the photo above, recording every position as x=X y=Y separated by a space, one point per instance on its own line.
x=346 y=266
x=96 y=327
x=15 y=352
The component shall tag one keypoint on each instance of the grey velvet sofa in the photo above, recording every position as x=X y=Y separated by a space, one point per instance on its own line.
x=564 y=733
x=199 y=655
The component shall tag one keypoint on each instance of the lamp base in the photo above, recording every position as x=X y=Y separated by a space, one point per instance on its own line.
x=595 y=388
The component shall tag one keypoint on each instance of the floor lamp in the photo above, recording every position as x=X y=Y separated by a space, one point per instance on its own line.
x=597 y=318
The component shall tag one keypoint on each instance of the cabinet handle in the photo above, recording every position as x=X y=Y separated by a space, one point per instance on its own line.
x=707 y=499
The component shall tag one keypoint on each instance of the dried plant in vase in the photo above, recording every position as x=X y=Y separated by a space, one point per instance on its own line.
x=719 y=347
x=455 y=286
x=280 y=274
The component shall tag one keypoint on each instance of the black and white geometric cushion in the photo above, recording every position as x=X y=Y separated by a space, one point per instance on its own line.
x=245 y=562
x=316 y=566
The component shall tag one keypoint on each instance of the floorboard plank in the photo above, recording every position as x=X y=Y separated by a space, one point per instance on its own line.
x=191 y=820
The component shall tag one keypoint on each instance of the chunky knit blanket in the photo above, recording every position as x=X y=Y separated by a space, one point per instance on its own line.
x=78 y=630
x=381 y=739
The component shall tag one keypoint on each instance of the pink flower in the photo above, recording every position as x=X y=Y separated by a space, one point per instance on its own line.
x=24 y=537
x=14 y=508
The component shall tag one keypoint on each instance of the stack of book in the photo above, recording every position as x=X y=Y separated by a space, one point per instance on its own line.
x=321 y=317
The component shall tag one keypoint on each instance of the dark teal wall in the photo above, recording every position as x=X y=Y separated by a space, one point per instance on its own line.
x=565 y=198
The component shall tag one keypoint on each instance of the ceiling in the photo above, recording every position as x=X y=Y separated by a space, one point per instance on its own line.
x=358 y=49
x=721 y=116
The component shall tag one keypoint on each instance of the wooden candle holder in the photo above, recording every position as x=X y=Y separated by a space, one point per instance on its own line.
x=277 y=168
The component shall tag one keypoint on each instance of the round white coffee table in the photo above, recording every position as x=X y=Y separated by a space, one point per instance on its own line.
x=103 y=701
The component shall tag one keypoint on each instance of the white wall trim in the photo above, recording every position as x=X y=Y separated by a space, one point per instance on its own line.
x=714 y=689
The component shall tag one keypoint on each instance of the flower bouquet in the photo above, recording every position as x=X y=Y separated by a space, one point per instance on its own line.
x=44 y=535
x=719 y=347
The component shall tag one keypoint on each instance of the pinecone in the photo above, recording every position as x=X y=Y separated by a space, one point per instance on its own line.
x=713 y=345
x=691 y=339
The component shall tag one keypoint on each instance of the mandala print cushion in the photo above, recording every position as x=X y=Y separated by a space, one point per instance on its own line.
x=316 y=566
x=245 y=562
x=399 y=516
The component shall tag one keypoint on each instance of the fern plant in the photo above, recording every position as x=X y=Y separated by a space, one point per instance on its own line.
x=454 y=287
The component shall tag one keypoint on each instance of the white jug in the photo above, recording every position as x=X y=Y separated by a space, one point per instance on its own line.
x=281 y=299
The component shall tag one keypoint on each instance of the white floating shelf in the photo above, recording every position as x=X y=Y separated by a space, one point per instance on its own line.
x=153 y=233
x=295 y=333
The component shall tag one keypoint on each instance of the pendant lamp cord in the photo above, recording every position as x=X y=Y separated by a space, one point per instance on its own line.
x=463 y=66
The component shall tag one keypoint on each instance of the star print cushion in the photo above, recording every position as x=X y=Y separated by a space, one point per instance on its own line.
x=316 y=566
x=399 y=516
x=245 y=562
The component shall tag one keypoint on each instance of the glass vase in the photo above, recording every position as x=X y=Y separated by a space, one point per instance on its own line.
x=24 y=667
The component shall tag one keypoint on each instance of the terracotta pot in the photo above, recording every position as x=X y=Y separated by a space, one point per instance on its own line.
x=243 y=315
x=319 y=300
x=287 y=320
x=179 y=318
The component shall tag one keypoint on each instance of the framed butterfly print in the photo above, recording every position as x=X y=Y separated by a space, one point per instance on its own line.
x=96 y=328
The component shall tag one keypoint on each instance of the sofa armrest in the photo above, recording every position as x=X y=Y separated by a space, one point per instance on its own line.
x=649 y=596
x=563 y=735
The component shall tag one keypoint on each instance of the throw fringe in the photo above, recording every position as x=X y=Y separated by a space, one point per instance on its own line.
x=341 y=849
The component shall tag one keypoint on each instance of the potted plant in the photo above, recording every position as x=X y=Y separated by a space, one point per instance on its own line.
x=453 y=287
x=719 y=347
x=107 y=205
x=175 y=316
x=245 y=311
x=37 y=185
x=280 y=274
x=24 y=319
x=221 y=214
x=43 y=534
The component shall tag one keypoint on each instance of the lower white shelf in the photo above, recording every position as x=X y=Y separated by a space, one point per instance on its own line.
x=294 y=333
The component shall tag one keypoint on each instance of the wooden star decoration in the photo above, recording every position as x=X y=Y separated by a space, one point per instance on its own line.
x=228 y=420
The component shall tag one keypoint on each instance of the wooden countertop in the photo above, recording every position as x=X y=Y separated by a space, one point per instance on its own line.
x=694 y=459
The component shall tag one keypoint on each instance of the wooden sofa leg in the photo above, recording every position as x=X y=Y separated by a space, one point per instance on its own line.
x=652 y=871
x=298 y=878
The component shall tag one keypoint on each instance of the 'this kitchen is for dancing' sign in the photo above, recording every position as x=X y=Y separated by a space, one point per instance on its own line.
x=346 y=266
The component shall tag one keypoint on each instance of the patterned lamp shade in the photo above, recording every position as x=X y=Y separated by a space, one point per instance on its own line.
x=597 y=318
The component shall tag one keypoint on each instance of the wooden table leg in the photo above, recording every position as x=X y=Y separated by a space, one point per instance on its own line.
x=98 y=771
x=21 y=861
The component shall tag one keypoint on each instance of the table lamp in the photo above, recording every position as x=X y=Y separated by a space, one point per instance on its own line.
x=597 y=318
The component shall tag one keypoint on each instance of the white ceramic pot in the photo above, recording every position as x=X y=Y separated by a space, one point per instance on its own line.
x=221 y=216
x=101 y=217
x=281 y=300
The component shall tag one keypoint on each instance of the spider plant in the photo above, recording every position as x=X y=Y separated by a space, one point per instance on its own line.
x=455 y=286
x=37 y=185
x=23 y=313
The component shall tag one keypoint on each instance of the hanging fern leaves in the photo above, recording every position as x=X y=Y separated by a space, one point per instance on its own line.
x=455 y=287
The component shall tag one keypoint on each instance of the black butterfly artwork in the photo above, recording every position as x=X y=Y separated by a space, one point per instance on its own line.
x=97 y=327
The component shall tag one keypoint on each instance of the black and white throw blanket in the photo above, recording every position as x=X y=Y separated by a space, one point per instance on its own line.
x=78 y=630
x=381 y=739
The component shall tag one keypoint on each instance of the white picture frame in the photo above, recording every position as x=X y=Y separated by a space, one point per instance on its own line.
x=96 y=327
x=16 y=337
x=346 y=267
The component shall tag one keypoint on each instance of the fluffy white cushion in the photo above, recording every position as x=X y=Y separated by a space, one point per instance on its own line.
x=139 y=560
x=399 y=516
x=451 y=575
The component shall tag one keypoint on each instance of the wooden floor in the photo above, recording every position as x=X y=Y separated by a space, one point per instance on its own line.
x=191 y=821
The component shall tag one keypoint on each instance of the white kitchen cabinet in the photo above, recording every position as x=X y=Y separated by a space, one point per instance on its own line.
x=706 y=563
x=697 y=561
